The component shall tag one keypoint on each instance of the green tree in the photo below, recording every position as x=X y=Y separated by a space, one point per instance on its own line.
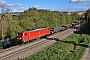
x=88 y=15
x=63 y=20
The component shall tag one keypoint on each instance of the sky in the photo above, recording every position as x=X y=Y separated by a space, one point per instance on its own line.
x=57 y=5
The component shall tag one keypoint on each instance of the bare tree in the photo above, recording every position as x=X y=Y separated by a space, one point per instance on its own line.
x=3 y=21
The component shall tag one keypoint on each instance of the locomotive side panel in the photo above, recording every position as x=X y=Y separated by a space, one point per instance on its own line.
x=38 y=33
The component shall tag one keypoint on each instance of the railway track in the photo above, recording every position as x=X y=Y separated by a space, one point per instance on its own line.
x=8 y=49
x=13 y=47
x=31 y=48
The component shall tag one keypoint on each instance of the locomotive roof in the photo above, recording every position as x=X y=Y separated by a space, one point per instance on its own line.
x=38 y=29
x=32 y=30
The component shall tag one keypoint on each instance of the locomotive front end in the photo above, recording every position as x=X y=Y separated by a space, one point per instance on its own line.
x=19 y=37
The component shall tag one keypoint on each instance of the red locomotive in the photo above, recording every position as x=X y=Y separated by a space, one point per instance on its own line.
x=29 y=35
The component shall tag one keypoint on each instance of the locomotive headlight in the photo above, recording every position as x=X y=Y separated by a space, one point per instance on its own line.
x=17 y=34
x=20 y=38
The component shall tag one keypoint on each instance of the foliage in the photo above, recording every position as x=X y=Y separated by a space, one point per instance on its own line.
x=87 y=15
x=13 y=28
x=36 y=18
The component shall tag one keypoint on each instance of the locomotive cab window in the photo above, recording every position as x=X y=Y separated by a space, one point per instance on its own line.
x=19 y=34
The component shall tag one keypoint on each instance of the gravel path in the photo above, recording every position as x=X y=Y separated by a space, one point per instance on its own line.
x=86 y=55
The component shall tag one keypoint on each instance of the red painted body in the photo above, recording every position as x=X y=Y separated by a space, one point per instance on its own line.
x=29 y=35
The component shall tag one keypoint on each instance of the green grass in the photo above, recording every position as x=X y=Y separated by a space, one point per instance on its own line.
x=71 y=48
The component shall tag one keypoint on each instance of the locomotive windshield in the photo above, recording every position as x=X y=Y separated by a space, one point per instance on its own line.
x=19 y=34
